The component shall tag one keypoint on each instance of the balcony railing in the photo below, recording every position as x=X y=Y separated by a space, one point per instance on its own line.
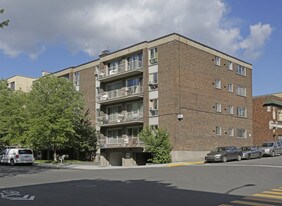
x=122 y=117
x=123 y=92
x=120 y=68
x=121 y=141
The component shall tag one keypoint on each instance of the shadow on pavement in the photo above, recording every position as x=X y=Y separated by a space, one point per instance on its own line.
x=114 y=193
x=11 y=171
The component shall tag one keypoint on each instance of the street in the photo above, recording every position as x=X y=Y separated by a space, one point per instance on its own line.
x=231 y=183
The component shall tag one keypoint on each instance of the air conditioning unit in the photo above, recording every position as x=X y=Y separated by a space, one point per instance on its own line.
x=126 y=141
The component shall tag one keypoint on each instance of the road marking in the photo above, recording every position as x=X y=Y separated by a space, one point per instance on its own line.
x=274 y=193
x=184 y=164
x=280 y=190
x=263 y=199
x=268 y=196
x=241 y=165
x=250 y=203
x=14 y=195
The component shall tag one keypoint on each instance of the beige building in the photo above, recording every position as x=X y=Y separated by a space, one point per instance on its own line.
x=202 y=96
x=20 y=83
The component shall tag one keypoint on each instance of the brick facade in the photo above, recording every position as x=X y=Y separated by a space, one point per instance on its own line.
x=186 y=86
x=186 y=73
x=262 y=116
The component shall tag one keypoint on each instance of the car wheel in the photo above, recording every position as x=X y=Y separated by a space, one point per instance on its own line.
x=239 y=157
x=272 y=154
x=12 y=162
x=224 y=159
x=260 y=155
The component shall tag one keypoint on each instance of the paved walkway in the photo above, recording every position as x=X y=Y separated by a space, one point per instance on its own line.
x=90 y=166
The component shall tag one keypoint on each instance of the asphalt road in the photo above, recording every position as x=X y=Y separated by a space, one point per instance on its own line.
x=231 y=183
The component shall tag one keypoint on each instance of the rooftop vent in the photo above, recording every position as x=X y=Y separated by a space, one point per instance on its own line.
x=104 y=53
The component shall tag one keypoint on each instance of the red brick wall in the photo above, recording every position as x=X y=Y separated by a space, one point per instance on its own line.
x=261 y=119
x=186 y=84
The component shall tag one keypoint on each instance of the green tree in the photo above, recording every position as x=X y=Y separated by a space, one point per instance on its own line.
x=53 y=107
x=13 y=115
x=157 y=142
x=85 y=136
x=3 y=23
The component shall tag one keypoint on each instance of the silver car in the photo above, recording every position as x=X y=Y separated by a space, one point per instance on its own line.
x=251 y=152
x=271 y=149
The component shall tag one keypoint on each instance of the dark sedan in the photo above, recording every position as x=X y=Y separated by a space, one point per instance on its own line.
x=223 y=154
x=251 y=152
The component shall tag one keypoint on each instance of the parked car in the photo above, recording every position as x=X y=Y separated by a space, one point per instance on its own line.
x=223 y=154
x=271 y=148
x=250 y=152
x=14 y=156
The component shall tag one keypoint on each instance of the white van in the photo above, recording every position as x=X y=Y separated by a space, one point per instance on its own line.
x=14 y=156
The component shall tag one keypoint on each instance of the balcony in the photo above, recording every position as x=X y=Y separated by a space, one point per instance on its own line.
x=123 y=118
x=119 y=95
x=117 y=142
x=120 y=71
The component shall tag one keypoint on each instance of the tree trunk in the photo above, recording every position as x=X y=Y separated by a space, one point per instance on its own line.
x=55 y=155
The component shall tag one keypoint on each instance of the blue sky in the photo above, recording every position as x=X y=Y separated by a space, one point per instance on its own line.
x=50 y=35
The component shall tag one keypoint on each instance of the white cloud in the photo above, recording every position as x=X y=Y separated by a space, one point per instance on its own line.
x=252 y=45
x=92 y=26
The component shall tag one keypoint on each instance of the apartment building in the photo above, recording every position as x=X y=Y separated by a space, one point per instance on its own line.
x=20 y=83
x=201 y=96
x=267 y=118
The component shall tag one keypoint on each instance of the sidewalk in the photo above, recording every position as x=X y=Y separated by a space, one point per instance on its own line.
x=97 y=167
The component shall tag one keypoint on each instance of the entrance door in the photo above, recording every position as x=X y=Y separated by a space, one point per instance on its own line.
x=116 y=159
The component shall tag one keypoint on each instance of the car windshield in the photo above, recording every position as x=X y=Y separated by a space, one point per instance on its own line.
x=25 y=151
x=268 y=144
x=245 y=148
x=219 y=149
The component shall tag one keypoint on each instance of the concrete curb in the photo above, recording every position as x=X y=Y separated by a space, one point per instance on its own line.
x=96 y=167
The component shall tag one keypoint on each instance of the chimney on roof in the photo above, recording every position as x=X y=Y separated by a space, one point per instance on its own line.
x=104 y=53
x=44 y=73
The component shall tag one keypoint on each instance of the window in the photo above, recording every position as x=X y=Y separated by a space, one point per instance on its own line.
x=279 y=115
x=242 y=133
x=241 y=112
x=218 y=83
x=115 y=67
x=218 y=107
x=153 y=55
x=218 y=130
x=241 y=70
x=230 y=109
x=134 y=61
x=76 y=80
x=217 y=61
x=241 y=91
x=13 y=85
x=268 y=108
x=153 y=81
x=133 y=131
x=153 y=107
x=230 y=132
x=230 y=87
x=154 y=127
x=230 y=65
x=114 y=136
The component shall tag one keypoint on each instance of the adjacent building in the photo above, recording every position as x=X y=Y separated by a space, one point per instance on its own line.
x=201 y=96
x=20 y=83
x=267 y=118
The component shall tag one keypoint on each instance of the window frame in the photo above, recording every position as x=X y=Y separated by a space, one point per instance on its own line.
x=217 y=60
x=218 y=107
